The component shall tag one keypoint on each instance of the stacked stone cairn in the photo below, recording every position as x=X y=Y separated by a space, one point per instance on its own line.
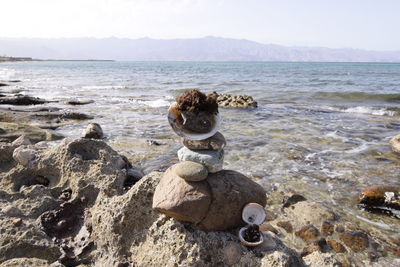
x=197 y=189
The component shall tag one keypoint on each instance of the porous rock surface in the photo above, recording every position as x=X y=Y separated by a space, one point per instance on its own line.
x=68 y=207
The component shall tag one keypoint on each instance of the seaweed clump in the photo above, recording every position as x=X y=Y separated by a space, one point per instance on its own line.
x=196 y=101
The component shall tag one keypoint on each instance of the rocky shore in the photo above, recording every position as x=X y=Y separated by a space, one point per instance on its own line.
x=81 y=203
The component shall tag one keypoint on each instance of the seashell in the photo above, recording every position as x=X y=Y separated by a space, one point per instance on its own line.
x=183 y=127
x=247 y=243
x=253 y=213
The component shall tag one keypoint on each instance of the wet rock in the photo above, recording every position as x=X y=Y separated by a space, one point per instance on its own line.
x=231 y=191
x=381 y=197
x=3 y=84
x=357 y=241
x=215 y=142
x=22 y=101
x=337 y=246
x=75 y=116
x=285 y=225
x=240 y=101
x=213 y=160
x=308 y=233
x=327 y=228
x=79 y=103
x=153 y=143
x=191 y=171
x=395 y=143
x=180 y=199
x=307 y=212
x=292 y=199
x=93 y=130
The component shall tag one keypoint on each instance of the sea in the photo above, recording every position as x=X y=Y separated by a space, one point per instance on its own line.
x=321 y=129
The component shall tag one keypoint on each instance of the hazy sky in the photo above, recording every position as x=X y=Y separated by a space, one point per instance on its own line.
x=369 y=24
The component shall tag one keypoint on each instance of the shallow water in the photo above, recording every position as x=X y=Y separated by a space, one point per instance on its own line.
x=320 y=128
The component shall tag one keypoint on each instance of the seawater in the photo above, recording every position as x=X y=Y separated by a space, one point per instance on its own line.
x=321 y=128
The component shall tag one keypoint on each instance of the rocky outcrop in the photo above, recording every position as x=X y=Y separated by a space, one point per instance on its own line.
x=22 y=101
x=234 y=101
x=68 y=206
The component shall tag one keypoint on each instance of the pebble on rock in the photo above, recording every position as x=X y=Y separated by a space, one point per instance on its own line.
x=21 y=141
x=215 y=142
x=191 y=171
x=212 y=160
x=381 y=196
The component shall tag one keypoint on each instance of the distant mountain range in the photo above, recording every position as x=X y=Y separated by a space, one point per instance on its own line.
x=201 y=49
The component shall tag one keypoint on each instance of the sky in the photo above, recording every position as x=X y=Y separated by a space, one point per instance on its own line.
x=365 y=24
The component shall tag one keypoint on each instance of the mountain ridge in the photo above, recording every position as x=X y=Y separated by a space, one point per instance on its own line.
x=207 y=48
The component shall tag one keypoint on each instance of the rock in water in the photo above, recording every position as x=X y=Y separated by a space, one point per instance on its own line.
x=385 y=199
x=93 y=130
x=180 y=199
x=395 y=143
x=215 y=142
x=231 y=191
x=191 y=171
x=213 y=160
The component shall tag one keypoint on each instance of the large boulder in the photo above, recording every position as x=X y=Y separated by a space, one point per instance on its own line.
x=181 y=199
x=214 y=204
x=231 y=191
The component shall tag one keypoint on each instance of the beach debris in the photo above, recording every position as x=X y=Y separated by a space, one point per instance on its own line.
x=381 y=199
x=234 y=101
x=254 y=215
x=93 y=130
x=395 y=144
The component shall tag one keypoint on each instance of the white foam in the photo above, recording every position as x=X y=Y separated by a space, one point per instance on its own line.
x=6 y=74
x=365 y=110
x=103 y=87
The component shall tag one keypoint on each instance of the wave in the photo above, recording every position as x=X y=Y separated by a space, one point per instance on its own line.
x=6 y=74
x=358 y=96
x=367 y=110
x=103 y=87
